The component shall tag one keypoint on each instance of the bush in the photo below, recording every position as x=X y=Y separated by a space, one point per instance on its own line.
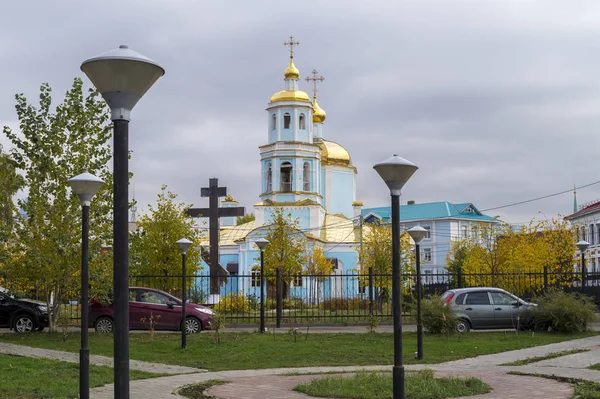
x=437 y=317
x=335 y=304
x=233 y=303
x=563 y=312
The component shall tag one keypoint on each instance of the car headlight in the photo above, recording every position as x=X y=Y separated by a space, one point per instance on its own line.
x=43 y=308
x=205 y=310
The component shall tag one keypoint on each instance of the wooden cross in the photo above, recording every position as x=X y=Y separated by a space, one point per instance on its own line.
x=291 y=43
x=315 y=79
x=214 y=212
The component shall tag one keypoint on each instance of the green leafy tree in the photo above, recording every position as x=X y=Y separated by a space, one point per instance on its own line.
x=286 y=250
x=319 y=268
x=245 y=219
x=154 y=251
x=10 y=183
x=52 y=146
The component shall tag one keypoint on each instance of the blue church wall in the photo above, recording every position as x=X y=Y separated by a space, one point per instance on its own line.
x=342 y=184
x=303 y=135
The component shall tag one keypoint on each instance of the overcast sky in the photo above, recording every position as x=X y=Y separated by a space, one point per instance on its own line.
x=495 y=101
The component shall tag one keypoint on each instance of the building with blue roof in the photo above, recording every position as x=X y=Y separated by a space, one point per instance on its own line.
x=445 y=221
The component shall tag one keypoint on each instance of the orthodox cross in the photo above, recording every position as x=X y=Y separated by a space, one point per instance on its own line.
x=315 y=79
x=291 y=43
x=214 y=212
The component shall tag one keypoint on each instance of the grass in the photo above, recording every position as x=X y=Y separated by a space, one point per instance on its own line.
x=258 y=351
x=30 y=378
x=421 y=385
x=197 y=391
x=583 y=389
x=595 y=366
x=551 y=355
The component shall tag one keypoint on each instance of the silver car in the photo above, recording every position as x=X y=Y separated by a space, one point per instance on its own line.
x=488 y=308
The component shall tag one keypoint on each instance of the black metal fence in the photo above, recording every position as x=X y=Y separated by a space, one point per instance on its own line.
x=325 y=299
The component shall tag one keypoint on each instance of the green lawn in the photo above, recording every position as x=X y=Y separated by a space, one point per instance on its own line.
x=595 y=366
x=29 y=378
x=255 y=351
x=422 y=385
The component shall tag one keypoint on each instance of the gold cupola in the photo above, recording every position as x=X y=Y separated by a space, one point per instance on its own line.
x=319 y=114
x=291 y=72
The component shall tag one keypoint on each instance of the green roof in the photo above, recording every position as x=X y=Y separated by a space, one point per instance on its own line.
x=431 y=210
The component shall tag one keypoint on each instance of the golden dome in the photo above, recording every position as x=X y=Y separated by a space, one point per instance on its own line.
x=291 y=72
x=318 y=114
x=333 y=153
x=290 y=95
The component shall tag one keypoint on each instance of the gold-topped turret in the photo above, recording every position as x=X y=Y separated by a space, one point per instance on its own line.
x=291 y=72
x=319 y=114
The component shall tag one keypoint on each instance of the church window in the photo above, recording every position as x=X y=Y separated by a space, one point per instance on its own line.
x=286 y=177
x=302 y=122
x=306 y=176
x=286 y=120
x=269 y=178
x=273 y=122
x=298 y=280
x=255 y=276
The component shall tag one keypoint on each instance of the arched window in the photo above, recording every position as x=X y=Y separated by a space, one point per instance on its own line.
x=286 y=177
x=286 y=120
x=255 y=276
x=306 y=176
x=269 y=178
x=273 y=122
x=301 y=122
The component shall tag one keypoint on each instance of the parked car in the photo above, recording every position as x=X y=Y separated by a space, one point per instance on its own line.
x=488 y=308
x=148 y=305
x=22 y=315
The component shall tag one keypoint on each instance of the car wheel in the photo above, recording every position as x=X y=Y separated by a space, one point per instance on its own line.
x=463 y=326
x=24 y=324
x=192 y=325
x=104 y=325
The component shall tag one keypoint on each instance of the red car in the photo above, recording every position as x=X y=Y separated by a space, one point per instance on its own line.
x=148 y=306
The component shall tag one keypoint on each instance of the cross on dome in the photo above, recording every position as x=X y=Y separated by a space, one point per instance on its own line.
x=315 y=79
x=291 y=43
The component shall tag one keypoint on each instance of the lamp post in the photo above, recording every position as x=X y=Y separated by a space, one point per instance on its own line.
x=395 y=172
x=85 y=186
x=122 y=76
x=582 y=245
x=261 y=243
x=184 y=244
x=418 y=233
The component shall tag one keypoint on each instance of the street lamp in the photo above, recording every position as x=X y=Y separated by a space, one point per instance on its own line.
x=85 y=186
x=418 y=233
x=261 y=243
x=122 y=76
x=582 y=245
x=395 y=172
x=184 y=244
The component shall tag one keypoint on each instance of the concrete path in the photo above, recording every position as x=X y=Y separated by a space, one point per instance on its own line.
x=157 y=368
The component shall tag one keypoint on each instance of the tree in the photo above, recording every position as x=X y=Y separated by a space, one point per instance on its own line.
x=376 y=254
x=245 y=219
x=154 y=251
x=53 y=146
x=318 y=268
x=286 y=249
x=10 y=183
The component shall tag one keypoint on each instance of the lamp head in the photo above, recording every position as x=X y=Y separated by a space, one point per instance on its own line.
x=85 y=185
x=261 y=243
x=582 y=245
x=417 y=233
x=395 y=172
x=122 y=76
x=184 y=244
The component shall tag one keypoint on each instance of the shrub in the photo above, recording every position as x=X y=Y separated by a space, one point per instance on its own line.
x=233 y=303
x=437 y=317
x=563 y=312
x=335 y=304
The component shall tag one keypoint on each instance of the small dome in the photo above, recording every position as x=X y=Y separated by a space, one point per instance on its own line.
x=333 y=153
x=318 y=114
x=291 y=72
x=290 y=95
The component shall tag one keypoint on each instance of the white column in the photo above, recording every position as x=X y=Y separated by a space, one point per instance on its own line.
x=278 y=124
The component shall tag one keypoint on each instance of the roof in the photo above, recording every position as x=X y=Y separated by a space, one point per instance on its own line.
x=585 y=210
x=432 y=210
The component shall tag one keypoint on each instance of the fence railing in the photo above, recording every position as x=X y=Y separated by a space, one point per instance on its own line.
x=337 y=298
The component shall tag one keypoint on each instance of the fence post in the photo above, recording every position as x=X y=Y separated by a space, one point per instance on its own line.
x=279 y=297
x=370 y=291
x=545 y=278
x=459 y=277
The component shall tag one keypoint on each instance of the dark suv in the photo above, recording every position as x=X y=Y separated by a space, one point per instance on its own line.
x=488 y=308
x=22 y=315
